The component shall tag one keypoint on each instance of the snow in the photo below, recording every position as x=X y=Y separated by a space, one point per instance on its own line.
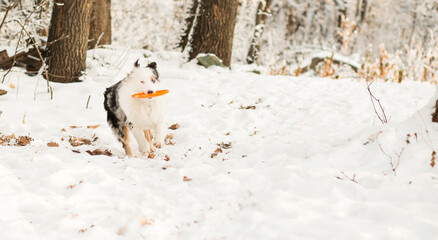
x=308 y=158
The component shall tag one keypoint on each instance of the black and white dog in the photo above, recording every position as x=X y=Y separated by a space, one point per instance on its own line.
x=138 y=115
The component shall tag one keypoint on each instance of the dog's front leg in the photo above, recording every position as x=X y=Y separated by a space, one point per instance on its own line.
x=126 y=143
x=160 y=134
x=143 y=145
x=148 y=135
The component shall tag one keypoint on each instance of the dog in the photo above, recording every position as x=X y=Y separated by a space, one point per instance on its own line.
x=142 y=116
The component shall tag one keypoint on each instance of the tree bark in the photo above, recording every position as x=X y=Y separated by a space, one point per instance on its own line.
x=213 y=30
x=261 y=16
x=341 y=14
x=361 y=10
x=435 y=113
x=70 y=21
x=100 y=23
x=190 y=20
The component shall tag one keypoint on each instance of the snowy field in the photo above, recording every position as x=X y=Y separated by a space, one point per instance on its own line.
x=254 y=157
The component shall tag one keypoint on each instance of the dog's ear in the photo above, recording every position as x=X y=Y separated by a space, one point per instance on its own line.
x=152 y=65
x=136 y=64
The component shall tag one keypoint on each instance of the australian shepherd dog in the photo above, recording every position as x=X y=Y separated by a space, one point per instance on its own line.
x=142 y=116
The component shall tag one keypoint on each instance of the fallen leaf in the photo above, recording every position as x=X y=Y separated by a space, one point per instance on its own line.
x=166 y=158
x=74 y=141
x=52 y=144
x=11 y=85
x=174 y=126
x=93 y=126
x=99 y=152
x=186 y=179
x=151 y=155
x=216 y=152
x=224 y=145
x=23 y=140
x=3 y=92
x=75 y=126
x=247 y=107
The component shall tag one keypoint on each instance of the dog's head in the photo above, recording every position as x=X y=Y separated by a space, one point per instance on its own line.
x=145 y=79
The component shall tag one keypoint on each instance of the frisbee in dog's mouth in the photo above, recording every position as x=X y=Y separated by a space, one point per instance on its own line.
x=150 y=95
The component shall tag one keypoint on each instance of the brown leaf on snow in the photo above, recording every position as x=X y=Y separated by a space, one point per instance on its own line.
x=11 y=85
x=74 y=141
x=166 y=158
x=99 y=152
x=93 y=126
x=168 y=139
x=23 y=140
x=432 y=161
x=216 y=152
x=75 y=126
x=151 y=155
x=174 y=126
x=4 y=140
x=186 y=179
x=52 y=144
x=224 y=145
x=247 y=107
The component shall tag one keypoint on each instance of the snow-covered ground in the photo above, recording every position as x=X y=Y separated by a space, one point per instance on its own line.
x=254 y=157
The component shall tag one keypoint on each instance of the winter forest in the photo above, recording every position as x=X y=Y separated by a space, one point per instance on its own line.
x=281 y=119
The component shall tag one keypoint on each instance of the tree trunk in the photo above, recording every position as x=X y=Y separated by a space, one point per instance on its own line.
x=361 y=10
x=435 y=113
x=100 y=23
x=70 y=22
x=213 y=29
x=261 y=16
x=190 y=20
x=341 y=14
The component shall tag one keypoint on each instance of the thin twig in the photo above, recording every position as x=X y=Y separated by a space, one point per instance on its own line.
x=353 y=179
x=15 y=56
x=381 y=117
x=21 y=35
x=88 y=101
x=394 y=164
x=9 y=8
x=39 y=54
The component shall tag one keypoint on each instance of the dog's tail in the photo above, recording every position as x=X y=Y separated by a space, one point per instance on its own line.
x=115 y=116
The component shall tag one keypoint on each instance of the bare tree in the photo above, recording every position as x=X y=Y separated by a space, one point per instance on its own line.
x=262 y=14
x=361 y=10
x=70 y=21
x=189 y=21
x=100 y=25
x=212 y=29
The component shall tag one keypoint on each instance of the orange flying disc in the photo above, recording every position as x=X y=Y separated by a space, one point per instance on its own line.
x=150 y=95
